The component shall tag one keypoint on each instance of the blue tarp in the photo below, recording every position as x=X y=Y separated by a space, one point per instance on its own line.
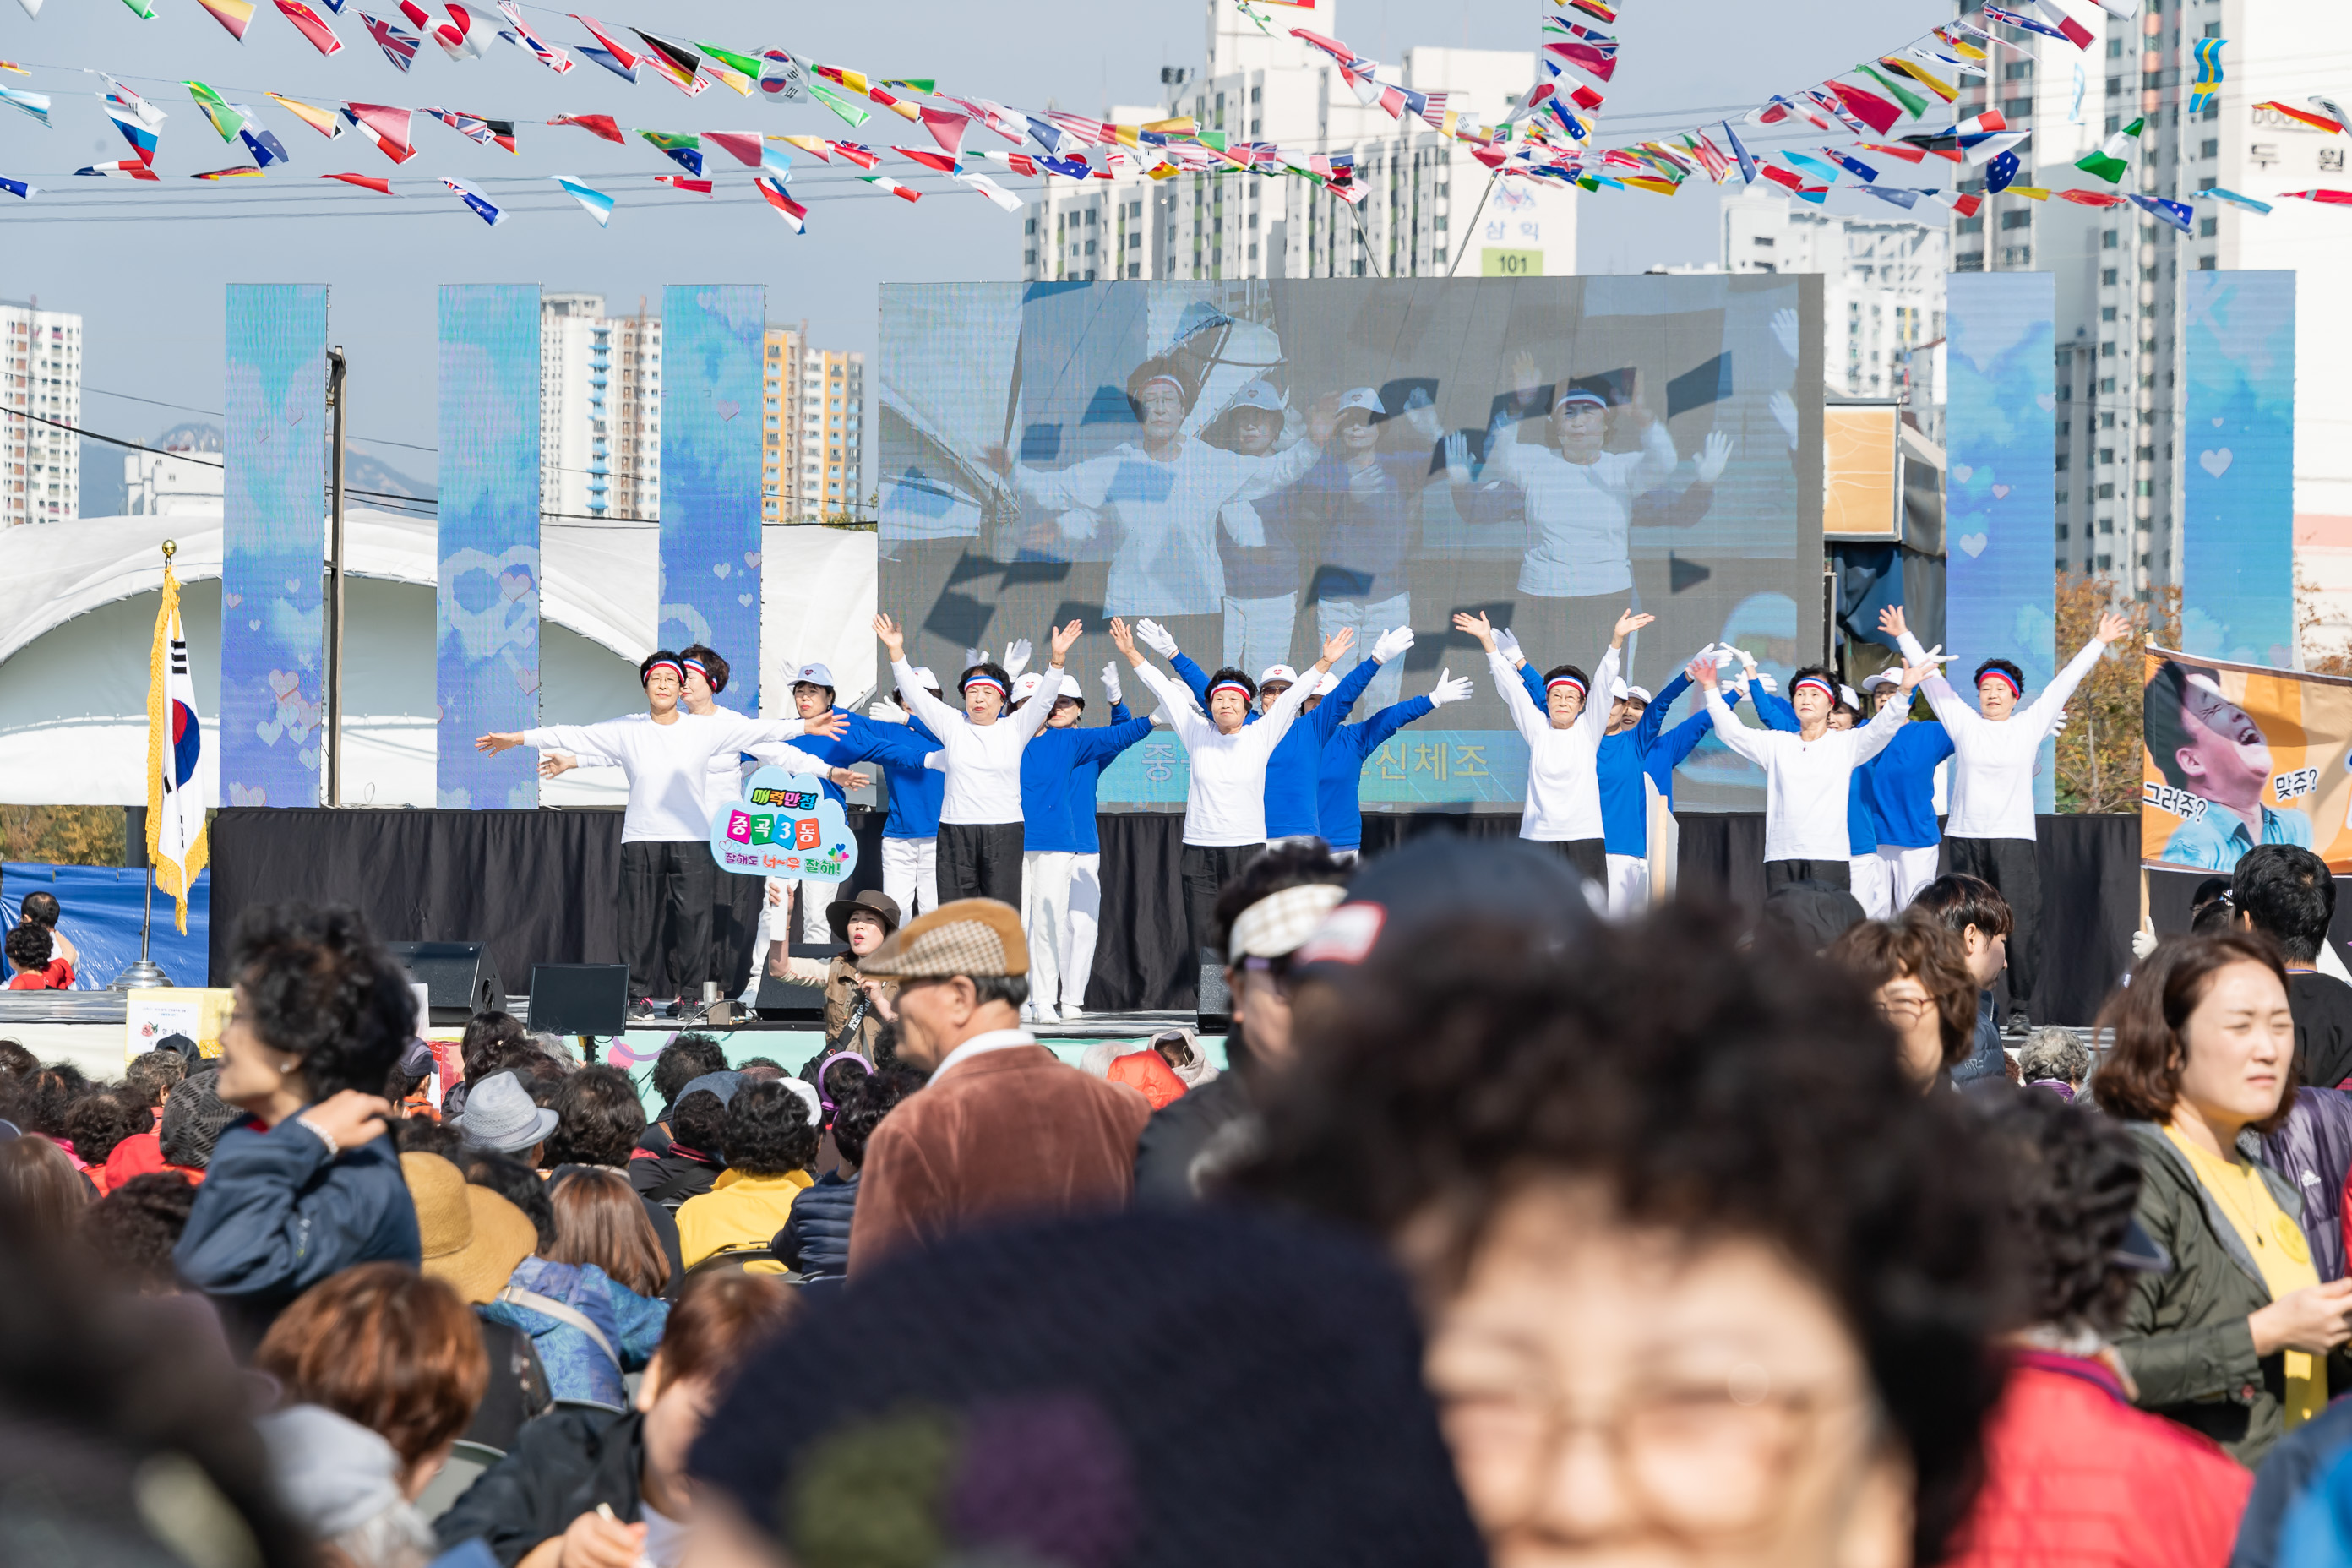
x=102 y=906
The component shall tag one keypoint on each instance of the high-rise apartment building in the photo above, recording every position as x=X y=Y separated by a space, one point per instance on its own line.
x=1430 y=209
x=599 y=410
x=813 y=459
x=1881 y=288
x=183 y=479
x=40 y=379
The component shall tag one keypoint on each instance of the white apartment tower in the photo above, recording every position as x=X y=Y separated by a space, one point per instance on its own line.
x=40 y=379
x=1882 y=284
x=599 y=410
x=1428 y=210
x=814 y=454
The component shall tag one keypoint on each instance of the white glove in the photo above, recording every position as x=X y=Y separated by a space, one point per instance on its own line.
x=883 y=709
x=1713 y=456
x=1016 y=656
x=1457 y=457
x=1110 y=681
x=1784 y=331
x=2143 y=943
x=1768 y=682
x=2058 y=725
x=972 y=656
x=1392 y=642
x=1784 y=413
x=1423 y=419
x=1154 y=636
x=1507 y=643
x=1447 y=690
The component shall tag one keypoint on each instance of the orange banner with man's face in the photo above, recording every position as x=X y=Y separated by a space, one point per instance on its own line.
x=2239 y=755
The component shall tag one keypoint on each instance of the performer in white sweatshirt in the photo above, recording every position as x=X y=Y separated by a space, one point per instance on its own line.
x=668 y=880
x=1563 y=805
x=1225 y=804
x=1807 y=775
x=1989 y=830
x=980 y=751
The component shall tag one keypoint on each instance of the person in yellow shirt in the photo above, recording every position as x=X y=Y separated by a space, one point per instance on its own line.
x=770 y=1143
x=2239 y=1340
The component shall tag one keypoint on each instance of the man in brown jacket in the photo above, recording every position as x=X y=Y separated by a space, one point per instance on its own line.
x=1004 y=1130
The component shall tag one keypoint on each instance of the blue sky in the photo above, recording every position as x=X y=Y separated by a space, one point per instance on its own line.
x=145 y=264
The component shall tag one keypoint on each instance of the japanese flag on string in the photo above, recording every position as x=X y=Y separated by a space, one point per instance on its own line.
x=175 y=744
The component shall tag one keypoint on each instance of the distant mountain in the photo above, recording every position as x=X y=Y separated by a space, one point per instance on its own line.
x=104 y=493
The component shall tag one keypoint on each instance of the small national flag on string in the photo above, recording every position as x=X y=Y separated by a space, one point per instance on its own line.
x=2334 y=111
x=738 y=71
x=218 y=109
x=385 y=126
x=885 y=182
x=35 y=104
x=2074 y=32
x=599 y=204
x=311 y=26
x=138 y=120
x=262 y=144
x=2027 y=24
x=2208 y=85
x=22 y=190
x=622 y=62
x=929 y=158
x=816 y=147
x=2113 y=161
x=2329 y=199
x=2316 y=122
x=684 y=151
x=744 y=144
x=2215 y=192
x=123 y=168
x=2001 y=172
x=236 y=15
x=2089 y=198
x=1851 y=165
x=545 y=53
x=680 y=182
x=1867 y=107
x=321 y=121
x=238 y=172
x=399 y=48
x=773 y=190
x=488 y=211
x=601 y=126
x=680 y=65
x=375 y=183
x=1748 y=171
x=1005 y=200
x=863 y=157
x=2179 y=214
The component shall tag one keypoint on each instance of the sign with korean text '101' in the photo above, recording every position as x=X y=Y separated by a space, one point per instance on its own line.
x=784 y=825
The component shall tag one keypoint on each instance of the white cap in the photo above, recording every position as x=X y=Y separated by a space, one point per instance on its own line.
x=1282 y=673
x=1026 y=686
x=1639 y=693
x=1327 y=685
x=812 y=675
x=1258 y=395
x=1363 y=397
x=923 y=676
x=1884 y=677
x=1072 y=689
x=1846 y=695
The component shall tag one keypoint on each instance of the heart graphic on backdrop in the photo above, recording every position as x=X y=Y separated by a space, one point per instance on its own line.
x=2000 y=493
x=745 y=599
x=293 y=584
x=232 y=600
x=293 y=416
x=1962 y=472
x=528 y=679
x=284 y=683
x=727 y=410
x=2047 y=402
x=1974 y=543
x=751 y=559
x=240 y=796
x=253 y=625
x=261 y=435
x=722 y=568
x=2218 y=421
x=308 y=756
x=514 y=585
x=270 y=732
x=440 y=713
x=2215 y=463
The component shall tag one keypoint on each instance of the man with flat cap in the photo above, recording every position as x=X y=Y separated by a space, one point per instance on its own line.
x=1003 y=1130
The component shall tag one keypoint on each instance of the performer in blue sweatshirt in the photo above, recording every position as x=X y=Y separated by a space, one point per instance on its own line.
x=900 y=749
x=910 y=834
x=1339 y=807
x=1898 y=788
x=1061 y=851
x=1294 y=774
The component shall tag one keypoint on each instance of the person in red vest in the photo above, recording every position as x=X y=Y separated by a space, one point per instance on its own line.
x=32 y=968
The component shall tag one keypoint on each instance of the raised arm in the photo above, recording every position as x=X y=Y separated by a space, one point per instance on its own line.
x=604 y=739
x=1752 y=744
x=1594 y=719
x=1887 y=722
x=1774 y=710
x=2044 y=710
x=1084 y=484
x=1187 y=720
x=1334 y=709
x=1040 y=707
x=1654 y=717
x=1949 y=704
x=1285 y=706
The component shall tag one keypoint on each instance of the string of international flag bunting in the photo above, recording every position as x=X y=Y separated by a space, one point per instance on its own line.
x=1880 y=113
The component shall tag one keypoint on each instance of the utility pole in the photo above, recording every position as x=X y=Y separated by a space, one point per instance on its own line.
x=337 y=371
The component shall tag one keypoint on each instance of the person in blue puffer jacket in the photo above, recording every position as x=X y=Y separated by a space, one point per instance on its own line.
x=1340 y=806
x=815 y=1240
x=1294 y=775
x=1061 y=849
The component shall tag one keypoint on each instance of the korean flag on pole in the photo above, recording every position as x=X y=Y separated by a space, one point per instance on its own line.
x=175 y=744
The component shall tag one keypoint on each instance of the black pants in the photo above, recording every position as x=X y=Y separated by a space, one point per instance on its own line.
x=2010 y=865
x=1779 y=874
x=1588 y=855
x=1207 y=869
x=734 y=928
x=668 y=889
x=980 y=860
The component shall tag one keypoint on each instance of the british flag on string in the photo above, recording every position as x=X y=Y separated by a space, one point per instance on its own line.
x=399 y=48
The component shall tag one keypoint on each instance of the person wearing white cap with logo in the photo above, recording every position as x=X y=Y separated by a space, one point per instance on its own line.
x=1061 y=847
x=1355 y=512
x=980 y=751
x=1563 y=737
x=910 y=833
x=1990 y=831
x=1256 y=536
x=1166 y=490
x=1224 y=801
x=1808 y=774
x=1339 y=805
x=1898 y=791
x=668 y=880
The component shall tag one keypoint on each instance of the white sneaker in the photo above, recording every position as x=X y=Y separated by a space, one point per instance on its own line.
x=1047 y=1016
x=1028 y=1012
x=1071 y=1014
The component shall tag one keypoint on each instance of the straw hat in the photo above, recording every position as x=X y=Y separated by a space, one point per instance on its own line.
x=473 y=1238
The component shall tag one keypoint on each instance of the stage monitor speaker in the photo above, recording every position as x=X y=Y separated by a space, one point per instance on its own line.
x=1214 y=1005
x=580 y=998
x=783 y=1001
x=461 y=978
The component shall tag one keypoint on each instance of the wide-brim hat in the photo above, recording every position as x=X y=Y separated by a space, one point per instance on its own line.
x=471 y=1238
x=874 y=901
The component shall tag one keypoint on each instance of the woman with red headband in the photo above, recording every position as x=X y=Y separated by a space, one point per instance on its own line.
x=668 y=880
x=1563 y=737
x=1990 y=830
x=1807 y=775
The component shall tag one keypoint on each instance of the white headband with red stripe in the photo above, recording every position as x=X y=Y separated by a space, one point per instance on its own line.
x=658 y=665
x=1817 y=683
x=1565 y=681
x=2005 y=678
x=988 y=680
x=1231 y=686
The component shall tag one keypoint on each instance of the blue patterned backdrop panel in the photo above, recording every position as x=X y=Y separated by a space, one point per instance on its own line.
x=2001 y=468
x=2237 y=578
x=273 y=541
x=485 y=655
x=710 y=423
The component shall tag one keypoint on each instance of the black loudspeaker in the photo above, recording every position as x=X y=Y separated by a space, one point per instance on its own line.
x=781 y=1001
x=460 y=978
x=1215 y=1004
x=580 y=998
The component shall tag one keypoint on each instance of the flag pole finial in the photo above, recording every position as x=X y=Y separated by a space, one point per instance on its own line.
x=171 y=548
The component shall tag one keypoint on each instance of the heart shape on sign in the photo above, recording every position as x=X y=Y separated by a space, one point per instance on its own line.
x=2218 y=421
x=293 y=416
x=2215 y=463
x=727 y=410
x=240 y=796
x=1974 y=543
x=284 y=683
x=262 y=436
x=751 y=559
x=513 y=586
x=253 y=625
x=722 y=568
x=293 y=584
x=528 y=679
x=2000 y=493
x=308 y=756
x=2047 y=402
x=1962 y=472
x=232 y=600
x=270 y=732
x=745 y=599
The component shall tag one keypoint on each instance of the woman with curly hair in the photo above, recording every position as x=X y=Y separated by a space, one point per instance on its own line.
x=1704 y=1278
x=2239 y=1340
x=770 y=1143
x=1917 y=974
x=307 y=1185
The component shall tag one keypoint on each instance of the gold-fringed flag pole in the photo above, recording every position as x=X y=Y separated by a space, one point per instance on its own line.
x=177 y=850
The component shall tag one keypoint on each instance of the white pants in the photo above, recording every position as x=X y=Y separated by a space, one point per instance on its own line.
x=1061 y=894
x=910 y=871
x=1257 y=631
x=1628 y=886
x=1368 y=620
x=1886 y=881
